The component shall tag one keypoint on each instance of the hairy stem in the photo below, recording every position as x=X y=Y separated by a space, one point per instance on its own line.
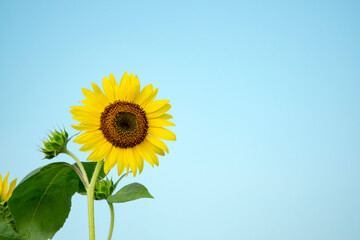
x=112 y=220
x=90 y=198
x=79 y=174
x=82 y=169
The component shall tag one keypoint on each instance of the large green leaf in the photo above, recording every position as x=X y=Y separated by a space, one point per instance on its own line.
x=33 y=172
x=130 y=192
x=41 y=203
x=89 y=168
x=6 y=233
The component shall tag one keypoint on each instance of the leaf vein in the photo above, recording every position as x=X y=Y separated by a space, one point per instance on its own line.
x=42 y=196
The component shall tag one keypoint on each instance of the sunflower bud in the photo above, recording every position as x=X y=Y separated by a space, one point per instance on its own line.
x=5 y=214
x=5 y=194
x=56 y=144
x=103 y=189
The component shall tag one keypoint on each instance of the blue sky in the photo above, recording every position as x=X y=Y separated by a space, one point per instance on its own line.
x=265 y=97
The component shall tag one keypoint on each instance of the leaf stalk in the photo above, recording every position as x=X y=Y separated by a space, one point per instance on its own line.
x=81 y=166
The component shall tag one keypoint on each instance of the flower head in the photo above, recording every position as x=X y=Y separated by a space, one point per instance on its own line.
x=5 y=193
x=123 y=124
x=56 y=143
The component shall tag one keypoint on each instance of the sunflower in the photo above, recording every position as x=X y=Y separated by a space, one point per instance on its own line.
x=123 y=125
x=5 y=194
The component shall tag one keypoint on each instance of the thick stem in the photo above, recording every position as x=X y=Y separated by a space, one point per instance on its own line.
x=90 y=198
x=82 y=169
x=112 y=220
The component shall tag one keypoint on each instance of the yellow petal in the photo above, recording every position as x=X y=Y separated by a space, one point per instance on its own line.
x=89 y=95
x=165 y=116
x=125 y=160
x=97 y=100
x=96 y=156
x=139 y=160
x=159 y=112
x=148 y=153
x=142 y=150
x=93 y=104
x=91 y=115
x=86 y=127
x=162 y=133
x=109 y=89
x=133 y=88
x=116 y=86
x=87 y=147
x=85 y=110
x=4 y=186
x=99 y=95
x=144 y=94
x=120 y=161
x=155 y=148
x=122 y=158
x=159 y=123
x=155 y=105
x=151 y=153
x=100 y=153
x=110 y=161
x=157 y=142
x=136 y=86
x=87 y=120
x=11 y=189
x=98 y=90
x=112 y=79
x=93 y=144
x=88 y=109
x=0 y=187
x=123 y=87
x=150 y=98
x=132 y=161
x=87 y=136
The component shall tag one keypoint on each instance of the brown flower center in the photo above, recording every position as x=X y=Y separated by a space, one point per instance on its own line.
x=124 y=124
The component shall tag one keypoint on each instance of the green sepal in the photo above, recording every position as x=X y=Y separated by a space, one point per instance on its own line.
x=130 y=192
x=57 y=137
x=47 y=146
x=103 y=189
x=55 y=146
x=6 y=216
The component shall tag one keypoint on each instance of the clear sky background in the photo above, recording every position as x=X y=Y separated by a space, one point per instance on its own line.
x=265 y=96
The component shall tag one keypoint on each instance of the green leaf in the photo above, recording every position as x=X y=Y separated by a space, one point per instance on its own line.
x=32 y=173
x=6 y=233
x=89 y=168
x=41 y=203
x=130 y=192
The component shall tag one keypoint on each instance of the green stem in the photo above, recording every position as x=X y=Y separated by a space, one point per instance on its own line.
x=82 y=169
x=112 y=220
x=90 y=198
